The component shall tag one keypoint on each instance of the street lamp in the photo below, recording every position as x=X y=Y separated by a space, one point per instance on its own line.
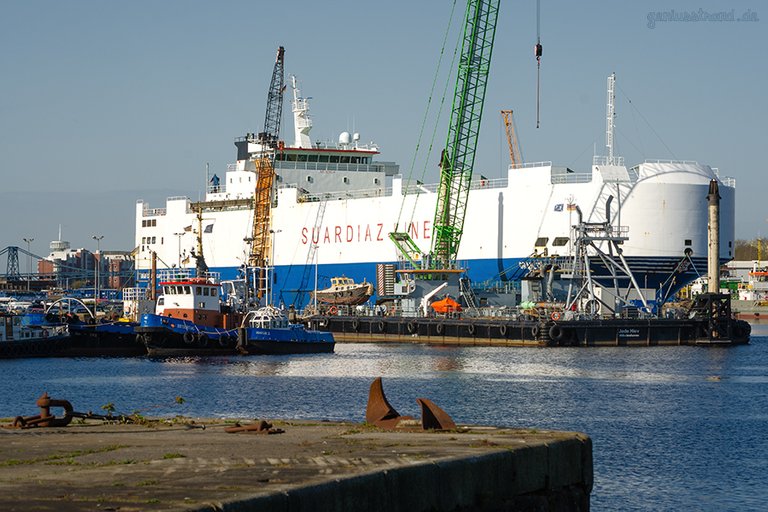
x=97 y=264
x=29 y=253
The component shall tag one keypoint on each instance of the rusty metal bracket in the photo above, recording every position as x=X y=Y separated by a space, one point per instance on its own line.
x=379 y=411
x=261 y=427
x=433 y=417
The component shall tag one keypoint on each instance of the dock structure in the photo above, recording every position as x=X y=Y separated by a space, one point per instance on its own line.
x=307 y=467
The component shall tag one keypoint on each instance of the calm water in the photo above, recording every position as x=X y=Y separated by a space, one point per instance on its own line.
x=674 y=428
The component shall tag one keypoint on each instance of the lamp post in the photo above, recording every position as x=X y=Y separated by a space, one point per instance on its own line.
x=29 y=253
x=97 y=264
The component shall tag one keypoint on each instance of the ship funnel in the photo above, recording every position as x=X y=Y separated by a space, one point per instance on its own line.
x=713 y=254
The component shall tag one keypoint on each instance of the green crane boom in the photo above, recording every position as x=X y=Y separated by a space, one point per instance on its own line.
x=458 y=157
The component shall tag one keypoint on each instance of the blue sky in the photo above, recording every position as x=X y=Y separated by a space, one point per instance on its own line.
x=104 y=103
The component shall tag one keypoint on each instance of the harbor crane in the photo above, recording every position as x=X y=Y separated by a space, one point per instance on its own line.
x=458 y=157
x=265 y=175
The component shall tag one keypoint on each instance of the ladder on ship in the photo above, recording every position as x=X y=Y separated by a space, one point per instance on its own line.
x=302 y=292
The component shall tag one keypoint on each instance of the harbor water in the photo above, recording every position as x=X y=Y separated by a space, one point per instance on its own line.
x=674 y=428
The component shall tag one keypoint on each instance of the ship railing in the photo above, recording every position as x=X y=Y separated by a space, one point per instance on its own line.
x=380 y=167
x=662 y=161
x=544 y=163
x=153 y=212
x=607 y=160
x=135 y=294
x=571 y=177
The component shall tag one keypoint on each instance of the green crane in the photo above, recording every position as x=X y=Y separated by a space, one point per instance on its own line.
x=458 y=157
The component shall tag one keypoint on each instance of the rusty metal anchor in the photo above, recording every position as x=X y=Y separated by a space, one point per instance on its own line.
x=45 y=418
x=380 y=412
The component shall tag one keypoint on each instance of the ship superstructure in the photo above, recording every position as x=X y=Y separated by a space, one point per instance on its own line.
x=334 y=205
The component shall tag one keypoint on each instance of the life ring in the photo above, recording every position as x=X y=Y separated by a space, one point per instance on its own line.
x=381 y=325
x=535 y=331
x=189 y=337
x=471 y=328
x=555 y=316
x=503 y=329
x=556 y=333
x=439 y=328
x=411 y=327
x=333 y=310
x=202 y=341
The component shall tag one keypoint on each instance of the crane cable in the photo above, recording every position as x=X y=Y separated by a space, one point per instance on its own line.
x=424 y=120
x=537 y=50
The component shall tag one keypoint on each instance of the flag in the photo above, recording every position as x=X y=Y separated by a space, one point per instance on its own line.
x=208 y=228
x=559 y=207
x=188 y=228
x=571 y=207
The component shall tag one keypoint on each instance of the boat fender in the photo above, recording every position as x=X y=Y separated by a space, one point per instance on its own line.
x=355 y=325
x=411 y=327
x=535 y=331
x=202 y=341
x=503 y=329
x=381 y=326
x=224 y=340
x=556 y=333
x=439 y=328
x=471 y=328
x=189 y=337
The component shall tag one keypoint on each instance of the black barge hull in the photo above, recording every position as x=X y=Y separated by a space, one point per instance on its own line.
x=505 y=332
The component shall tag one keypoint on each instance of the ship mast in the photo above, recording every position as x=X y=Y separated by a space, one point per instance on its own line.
x=301 y=121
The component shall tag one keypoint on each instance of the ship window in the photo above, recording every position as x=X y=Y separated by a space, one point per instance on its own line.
x=687 y=243
x=309 y=179
x=198 y=290
x=334 y=159
x=290 y=157
x=346 y=180
x=279 y=178
x=541 y=241
x=161 y=240
x=375 y=181
x=311 y=158
x=301 y=158
x=730 y=244
x=154 y=239
x=323 y=158
x=344 y=159
x=559 y=241
x=187 y=290
x=205 y=291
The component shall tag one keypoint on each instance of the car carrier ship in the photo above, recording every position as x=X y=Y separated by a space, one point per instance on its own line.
x=334 y=205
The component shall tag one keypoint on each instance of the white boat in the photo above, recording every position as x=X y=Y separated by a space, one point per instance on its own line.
x=334 y=206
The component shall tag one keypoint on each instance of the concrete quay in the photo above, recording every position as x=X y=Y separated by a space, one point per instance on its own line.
x=311 y=466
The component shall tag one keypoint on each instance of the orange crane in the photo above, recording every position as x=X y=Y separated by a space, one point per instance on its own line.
x=515 y=156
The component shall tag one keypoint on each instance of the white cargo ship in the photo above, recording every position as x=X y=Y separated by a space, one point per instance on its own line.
x=335 y=204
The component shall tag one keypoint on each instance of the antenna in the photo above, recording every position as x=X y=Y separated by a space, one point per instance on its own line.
x=610 y=116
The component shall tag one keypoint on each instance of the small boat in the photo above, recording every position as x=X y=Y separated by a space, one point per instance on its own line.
x=28 y=335
x=345 y=292
x=267 y=331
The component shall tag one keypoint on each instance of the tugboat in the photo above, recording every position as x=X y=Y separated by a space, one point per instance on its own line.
x=191 y=320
